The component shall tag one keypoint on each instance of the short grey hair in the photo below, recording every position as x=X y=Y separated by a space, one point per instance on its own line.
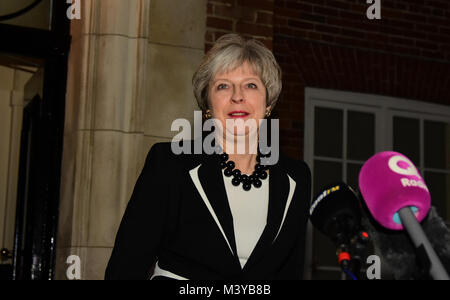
x=229 y=52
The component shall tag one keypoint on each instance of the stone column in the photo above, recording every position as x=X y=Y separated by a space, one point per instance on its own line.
x=175 y=48
x=130 y=72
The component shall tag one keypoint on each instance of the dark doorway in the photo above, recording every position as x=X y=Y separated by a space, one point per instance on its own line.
x=38 y=182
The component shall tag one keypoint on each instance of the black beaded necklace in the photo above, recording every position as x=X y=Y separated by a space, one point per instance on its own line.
x=260 y=173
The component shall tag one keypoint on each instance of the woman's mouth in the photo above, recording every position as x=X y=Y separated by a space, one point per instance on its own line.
x=238 y=114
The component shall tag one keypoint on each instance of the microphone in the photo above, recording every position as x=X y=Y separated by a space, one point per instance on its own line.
x=398 y=198
x=336 y=213
x=398 y=257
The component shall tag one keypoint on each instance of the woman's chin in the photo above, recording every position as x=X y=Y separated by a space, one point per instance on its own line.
x=246 y=138
x=237 y=134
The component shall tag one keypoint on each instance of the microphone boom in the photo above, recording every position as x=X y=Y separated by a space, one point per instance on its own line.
x=418 y=237
x=398 y=198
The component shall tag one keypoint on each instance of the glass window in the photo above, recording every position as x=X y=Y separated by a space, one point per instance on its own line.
x=439 y=186
x=328 y=132
x=360 y=135
x=437 y=145
x=437 y=164
x=326 y=173
x=329 y=163
x=353 y=175
x=407 y=138
x=418 y=131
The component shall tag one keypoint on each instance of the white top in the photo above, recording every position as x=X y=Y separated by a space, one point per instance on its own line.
x=249 y=210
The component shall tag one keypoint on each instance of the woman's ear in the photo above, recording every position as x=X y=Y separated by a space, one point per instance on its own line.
x=268 y=110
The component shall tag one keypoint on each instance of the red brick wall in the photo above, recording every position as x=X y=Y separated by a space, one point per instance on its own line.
x=250 y=18
x=331 y=44
x=414 y=27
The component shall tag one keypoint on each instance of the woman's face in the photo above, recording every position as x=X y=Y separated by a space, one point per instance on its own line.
x=238 y=94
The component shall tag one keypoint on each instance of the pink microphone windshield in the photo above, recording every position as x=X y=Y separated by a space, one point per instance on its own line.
x=389 y=181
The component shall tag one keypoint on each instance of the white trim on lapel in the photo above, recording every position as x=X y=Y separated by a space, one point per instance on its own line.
x=198 y=185
x=161 y=272
x=292 y=185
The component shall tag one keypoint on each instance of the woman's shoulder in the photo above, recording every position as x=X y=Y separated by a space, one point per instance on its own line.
x=174 y=153
x=298 y=169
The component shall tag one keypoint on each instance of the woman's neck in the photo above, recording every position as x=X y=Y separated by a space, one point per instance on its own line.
x=244 y=162
x=243 y=154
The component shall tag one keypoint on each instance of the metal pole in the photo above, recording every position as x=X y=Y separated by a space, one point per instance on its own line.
x=415 y=231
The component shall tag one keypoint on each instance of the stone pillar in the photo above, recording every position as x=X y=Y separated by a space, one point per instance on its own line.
x=130 y=72
x=176 y=47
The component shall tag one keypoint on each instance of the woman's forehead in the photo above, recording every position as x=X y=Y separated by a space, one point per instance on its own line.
x=244 y=68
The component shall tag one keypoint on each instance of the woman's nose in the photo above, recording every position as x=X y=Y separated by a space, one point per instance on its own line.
x=237 y=95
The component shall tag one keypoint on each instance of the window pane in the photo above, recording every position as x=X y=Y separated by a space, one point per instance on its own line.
x=437 y=145
x=353 y=175
x=407 y=138
x=326 y=173
x=361 y=135
x=439 y=186
x=328 y=132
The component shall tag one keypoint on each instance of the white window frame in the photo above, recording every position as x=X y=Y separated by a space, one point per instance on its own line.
x=384 y=108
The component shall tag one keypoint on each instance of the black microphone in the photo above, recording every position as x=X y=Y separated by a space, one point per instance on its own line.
x=336 y=212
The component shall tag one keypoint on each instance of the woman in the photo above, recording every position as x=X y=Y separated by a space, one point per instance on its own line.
x=219 y=216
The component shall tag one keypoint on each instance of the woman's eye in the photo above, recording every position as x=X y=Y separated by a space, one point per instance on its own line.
x=252 y=85
x=221 y=86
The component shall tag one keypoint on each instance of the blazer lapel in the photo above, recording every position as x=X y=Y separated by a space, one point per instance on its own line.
x=208 y=180
x=279 y=189
x=211 y=180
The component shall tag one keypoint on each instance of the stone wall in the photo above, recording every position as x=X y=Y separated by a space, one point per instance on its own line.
x=130 y=71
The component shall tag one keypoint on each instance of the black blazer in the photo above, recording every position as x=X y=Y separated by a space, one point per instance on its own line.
x=168 y=220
